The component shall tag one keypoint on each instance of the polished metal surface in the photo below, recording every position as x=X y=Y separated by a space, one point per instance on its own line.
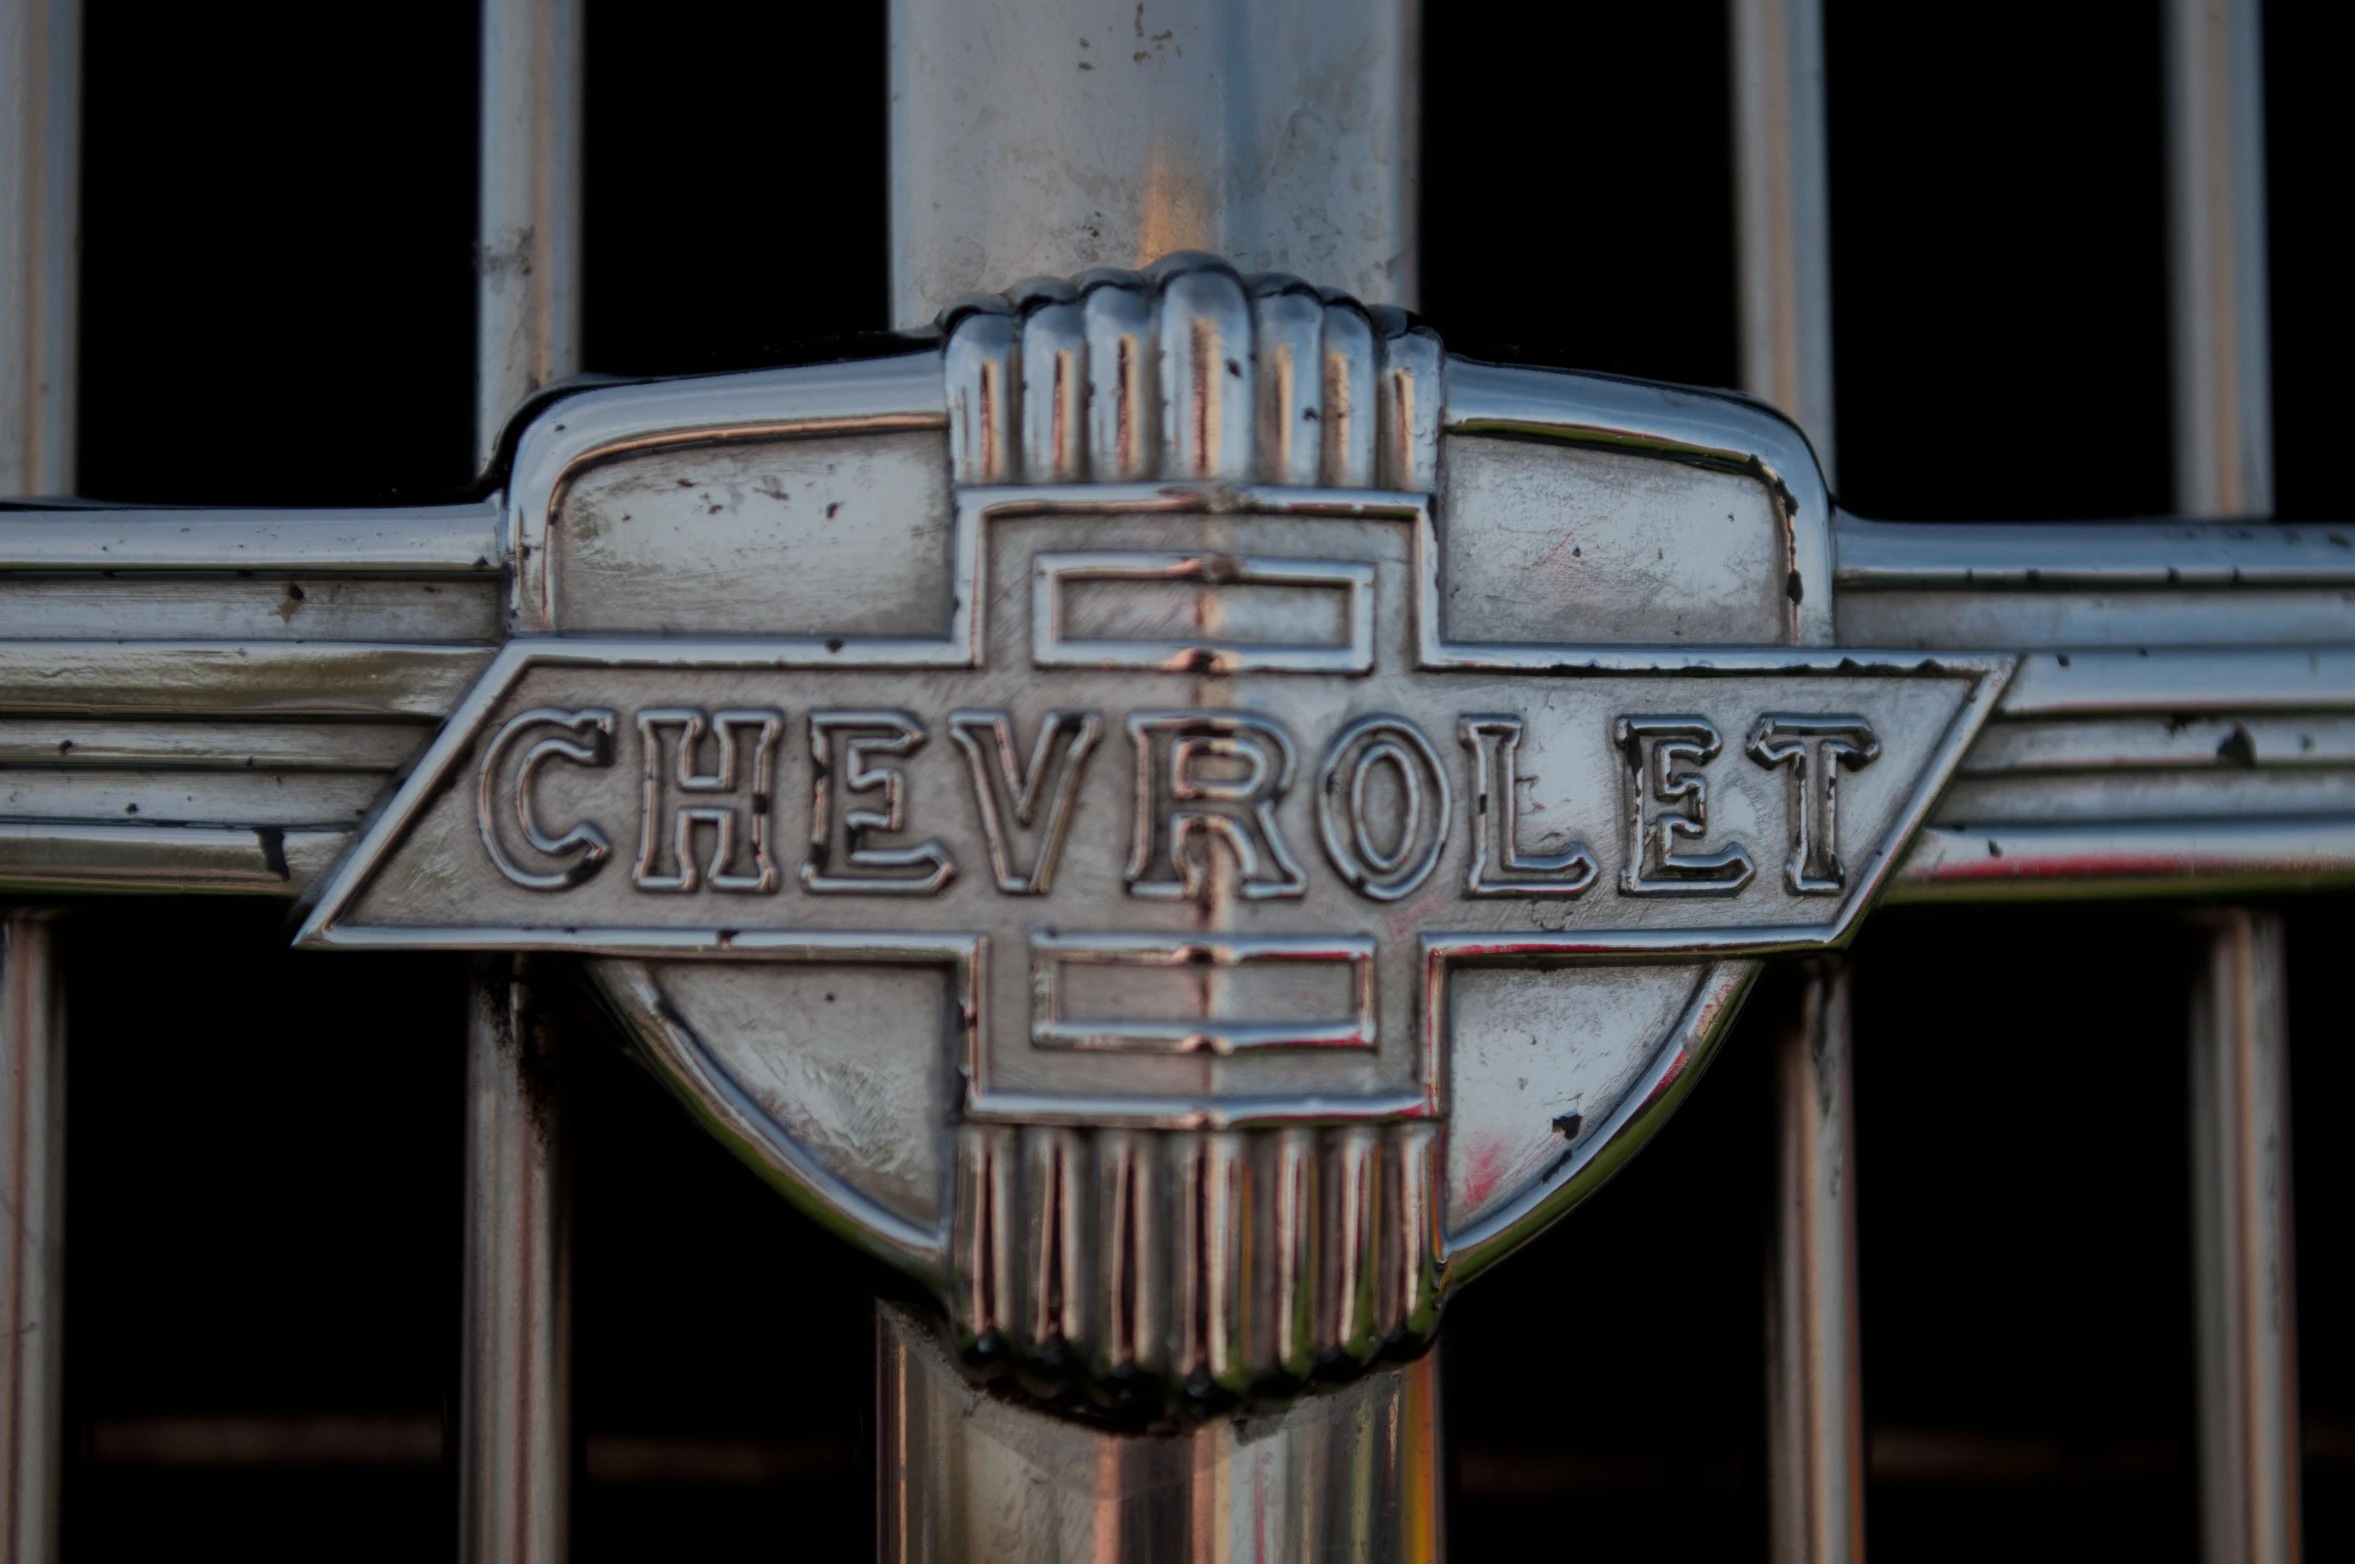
x=515 y=1436
x=32 y=1237
x=434 y=543
x=1183 y=739
x=40 y=245
x=2248 y=1382
x=528 y=245
x=2223 y=363
x=2222 y=380
x=327 y=617
x=206 y=699
x=1174 y=1020
x=40 y=242
x=1052 y=136
x=2062 y=559
x=1815 y=1445
x=515 y=1397
x=2174 y=726
x=1351 y=1475
x=1782 y=211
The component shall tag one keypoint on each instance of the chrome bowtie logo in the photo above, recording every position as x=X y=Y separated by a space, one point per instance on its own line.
x=1186 y=818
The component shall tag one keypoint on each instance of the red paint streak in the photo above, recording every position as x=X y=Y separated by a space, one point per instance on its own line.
x=1487 y=1170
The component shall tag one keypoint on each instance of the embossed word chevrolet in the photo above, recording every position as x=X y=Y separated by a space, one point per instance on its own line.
x=704 y=790
x=1185 y=761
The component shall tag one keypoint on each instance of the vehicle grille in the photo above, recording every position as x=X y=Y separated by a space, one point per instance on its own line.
x=266 y=1149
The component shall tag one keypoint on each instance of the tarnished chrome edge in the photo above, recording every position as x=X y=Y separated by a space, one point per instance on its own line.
x=1673 y=423
x=528 y=227
x=455 y=741
x=1871 y=877
x=1815 y=1413
x=1782 y=211
x=515 y=1419
x=515 y=1341
x=723 y=1108
x=1966 y=556
x=40 y=283
x=1346 y=1474
x=236 y=678
x=433 y=540
x=2125 y=681
x=2104 y=860
x=2244 y=1296
x=79 y=855
x=1675 y=1067
x=2220 y=337
x=1815 y=1421
x=32 y=1241
x=903 y=391
x=200 y=679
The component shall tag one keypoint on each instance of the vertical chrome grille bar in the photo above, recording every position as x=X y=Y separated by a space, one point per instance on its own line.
x=1782 y=211
x=2248 y=1392
x=528 y=247
x=32 y=1238
x=2248 y=1435
x=40 y=248
x=514 y=1446
x=2216 y=233
x=515 y=1442
x=1282 y=136
x=1304 y=162
x=1782 y=221
x=1815 y=1447
x=40 y=241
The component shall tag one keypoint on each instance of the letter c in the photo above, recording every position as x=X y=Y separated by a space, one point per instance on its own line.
x=584 y=844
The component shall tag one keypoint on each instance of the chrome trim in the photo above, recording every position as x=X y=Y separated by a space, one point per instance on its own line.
x=2115 y=688
x=2246 y=1302
x=2223 y=395
x=2090 y=556
x=228 y=678
x=1353 y=1475
x=40 y=277
x=2111 y=681
x=2223 y=361
x=32 y=1237
x=2131 y=858
x=528 y=232
x=1782 y=224
x=596 y=426
x=1782 y=211
x=40 y=243
x=514 y=1443
x=741 y=1123
x=1603 y=1148
x=515 y=1395
x=1055 y=136
x=1676 y=424
x=1815 y=1448
x=415 y=540
x=108 y=855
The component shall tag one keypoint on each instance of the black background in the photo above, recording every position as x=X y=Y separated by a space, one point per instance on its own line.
x=265 y=1166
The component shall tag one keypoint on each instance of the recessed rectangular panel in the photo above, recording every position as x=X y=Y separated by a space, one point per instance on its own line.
x=1202 y=610
x=1146 y=995
x=1585 y=546
x=818 y=536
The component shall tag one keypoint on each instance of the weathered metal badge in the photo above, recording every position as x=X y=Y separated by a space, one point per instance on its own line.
x=1184 y=816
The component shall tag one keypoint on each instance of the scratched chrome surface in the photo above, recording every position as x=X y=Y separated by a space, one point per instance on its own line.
x=1280 y=812
x=1180 y=812
x=1185 y=817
